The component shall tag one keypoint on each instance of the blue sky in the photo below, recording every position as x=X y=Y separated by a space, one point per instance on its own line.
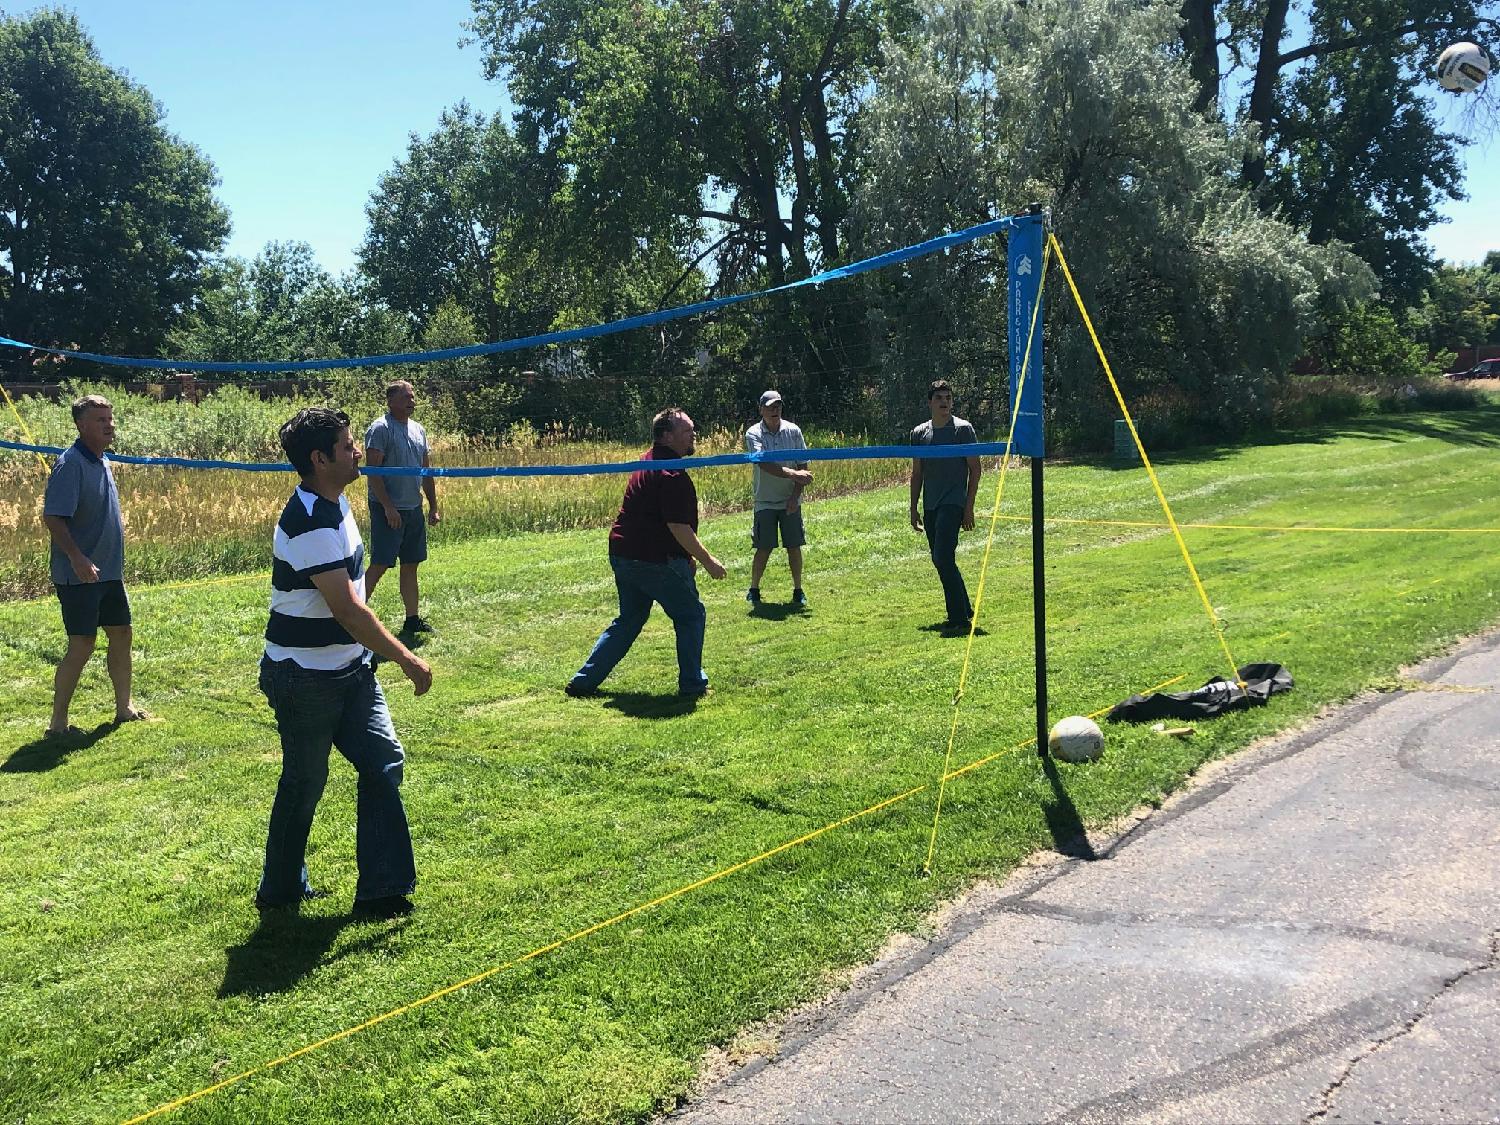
x=301 y=106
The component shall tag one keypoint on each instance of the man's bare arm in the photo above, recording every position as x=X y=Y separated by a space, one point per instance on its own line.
x=366 y=628
x=62 y=538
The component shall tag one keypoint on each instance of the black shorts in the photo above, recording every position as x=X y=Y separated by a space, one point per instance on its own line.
x=88 y=605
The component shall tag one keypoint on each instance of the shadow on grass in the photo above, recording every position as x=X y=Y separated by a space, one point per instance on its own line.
x=943 y=629
x=1069 y=837
x=1479 y=427
x=51 y=750
x=283 y=949
x=776 y=611
x=650 y=705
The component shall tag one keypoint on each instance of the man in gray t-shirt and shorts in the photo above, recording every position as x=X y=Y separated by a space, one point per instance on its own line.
x=777 y=489
x=397 y=530
x=81 y=509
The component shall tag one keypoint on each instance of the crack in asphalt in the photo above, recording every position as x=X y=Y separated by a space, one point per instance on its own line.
x=1331 y=1091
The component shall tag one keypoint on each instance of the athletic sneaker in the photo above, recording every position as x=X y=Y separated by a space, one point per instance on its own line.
x=417 y=625
x=752 y=595
x=799 y=599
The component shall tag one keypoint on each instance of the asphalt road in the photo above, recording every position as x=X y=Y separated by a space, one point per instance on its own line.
x=1309 y=934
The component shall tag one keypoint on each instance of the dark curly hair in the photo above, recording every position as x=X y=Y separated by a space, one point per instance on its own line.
x=315 y=428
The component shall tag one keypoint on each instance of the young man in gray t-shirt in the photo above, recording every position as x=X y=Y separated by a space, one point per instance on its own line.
x=81 y=509
x=946 y=487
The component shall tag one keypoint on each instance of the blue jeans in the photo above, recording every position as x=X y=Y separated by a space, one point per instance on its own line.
x=942 y=524
x=314 y=712
x=639 y=584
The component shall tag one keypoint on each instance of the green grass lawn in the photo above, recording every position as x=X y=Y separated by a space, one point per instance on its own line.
x=136 y=971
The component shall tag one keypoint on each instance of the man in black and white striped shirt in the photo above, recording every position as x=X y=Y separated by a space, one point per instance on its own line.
x=317 y=677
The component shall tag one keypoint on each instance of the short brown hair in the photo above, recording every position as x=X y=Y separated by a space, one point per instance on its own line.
x=399 y=385
x=88 y=401
x=938 y=385
x=665 y=422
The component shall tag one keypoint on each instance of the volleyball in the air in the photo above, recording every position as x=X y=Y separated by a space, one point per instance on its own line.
x=1463 y=67
x=1076 y=739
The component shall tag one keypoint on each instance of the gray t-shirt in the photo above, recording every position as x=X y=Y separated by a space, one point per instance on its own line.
x=769 y=490
x=82 y=491
x=403 y=444
x=945 y=480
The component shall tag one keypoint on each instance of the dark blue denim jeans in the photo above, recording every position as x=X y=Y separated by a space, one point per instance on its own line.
x=942 y=526
x=638 y=584
x=314 y=712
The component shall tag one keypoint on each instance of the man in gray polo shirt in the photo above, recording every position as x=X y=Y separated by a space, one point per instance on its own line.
x=81 y=509
x=777 y=490
x=946 y=486
x=397 y=530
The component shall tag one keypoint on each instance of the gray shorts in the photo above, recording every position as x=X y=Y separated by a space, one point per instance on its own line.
x=771 y=521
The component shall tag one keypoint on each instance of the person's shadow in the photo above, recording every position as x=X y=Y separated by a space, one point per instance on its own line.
x=649 y=705
x=1069 y=836
x=776 y=611
x=51 y=750
x=283 y=949
x=943 y=629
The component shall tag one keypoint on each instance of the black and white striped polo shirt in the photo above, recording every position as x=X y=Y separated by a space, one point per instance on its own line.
x=313 y=535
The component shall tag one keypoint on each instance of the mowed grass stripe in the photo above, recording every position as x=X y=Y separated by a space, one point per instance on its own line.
x=134 y=968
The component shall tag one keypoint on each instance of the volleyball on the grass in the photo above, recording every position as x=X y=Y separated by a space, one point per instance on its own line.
x=1076 y=739
x=1463 y=67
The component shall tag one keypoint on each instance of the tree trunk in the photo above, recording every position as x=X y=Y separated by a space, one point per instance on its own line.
x=1200 y=44
x=1262 y=93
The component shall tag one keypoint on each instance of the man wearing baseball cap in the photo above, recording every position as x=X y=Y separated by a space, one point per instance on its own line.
x=777 y=489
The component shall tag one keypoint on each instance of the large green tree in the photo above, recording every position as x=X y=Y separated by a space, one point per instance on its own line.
x=1337 y=93
x=1203 y=301
x=670 y=118
x=107 y=220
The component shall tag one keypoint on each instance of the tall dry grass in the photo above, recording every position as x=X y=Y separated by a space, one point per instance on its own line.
x=189 y=524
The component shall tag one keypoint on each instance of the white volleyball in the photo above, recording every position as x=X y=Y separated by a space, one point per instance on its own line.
x=1076 y=739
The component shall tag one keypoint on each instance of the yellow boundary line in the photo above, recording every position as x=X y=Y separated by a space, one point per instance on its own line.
x=577 y=935
x=984 y=566
x=1270 y=527
x=1161 y=496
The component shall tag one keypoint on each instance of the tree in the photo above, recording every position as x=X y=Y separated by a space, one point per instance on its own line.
x=107 y=220
x=1348 y=145
x=1202 y=300
x=672 y=113
x=284 y=306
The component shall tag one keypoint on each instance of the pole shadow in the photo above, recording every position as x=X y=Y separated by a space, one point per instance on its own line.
x=283 y=948
x=1069 y=837
x=51 y=750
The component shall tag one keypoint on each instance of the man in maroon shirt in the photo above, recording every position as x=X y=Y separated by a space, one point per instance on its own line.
x=654 y=550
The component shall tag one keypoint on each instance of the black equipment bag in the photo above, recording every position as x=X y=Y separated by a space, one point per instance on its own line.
x=1214 y=698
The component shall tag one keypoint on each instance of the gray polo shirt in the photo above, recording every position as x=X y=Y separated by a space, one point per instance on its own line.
x=769 y=490
x=403 y=443
x=82 y=491
x=944 y=480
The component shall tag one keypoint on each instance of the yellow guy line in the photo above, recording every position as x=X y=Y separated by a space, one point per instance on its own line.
x=1270 y=527
x=29 y=439
x=177 y=1103
x=963 y=675
x=1213 y=618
